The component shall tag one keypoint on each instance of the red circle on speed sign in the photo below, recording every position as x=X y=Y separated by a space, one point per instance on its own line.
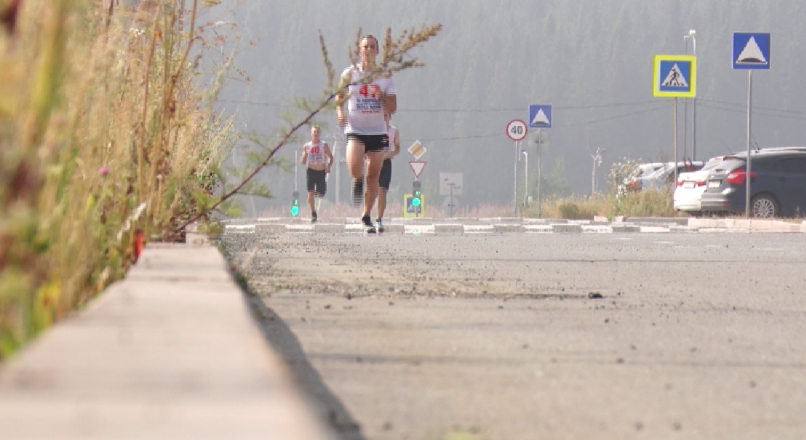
x=516 y=130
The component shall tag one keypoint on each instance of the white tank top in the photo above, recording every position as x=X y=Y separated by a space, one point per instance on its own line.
x=364 y=114
x=391 y=133
x=316 y=154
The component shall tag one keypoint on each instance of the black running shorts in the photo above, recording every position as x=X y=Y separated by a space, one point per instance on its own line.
x=386 y=175
x=372 y=142
x=316 y=182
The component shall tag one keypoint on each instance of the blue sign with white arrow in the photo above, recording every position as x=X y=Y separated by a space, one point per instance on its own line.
x=751 y=51
x=539 y=115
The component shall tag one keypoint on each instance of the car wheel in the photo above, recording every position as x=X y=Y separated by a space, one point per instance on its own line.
x=764 y=206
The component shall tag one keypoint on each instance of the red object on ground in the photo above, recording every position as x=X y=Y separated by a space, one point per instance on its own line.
x=138 y=244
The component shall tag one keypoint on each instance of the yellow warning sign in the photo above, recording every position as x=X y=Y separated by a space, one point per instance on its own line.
x=417 y=150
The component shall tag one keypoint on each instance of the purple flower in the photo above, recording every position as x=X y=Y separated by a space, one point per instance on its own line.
x=103 y=171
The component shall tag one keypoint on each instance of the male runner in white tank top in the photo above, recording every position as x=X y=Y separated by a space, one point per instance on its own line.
x=364 y=124
x=313 y=155
x=385 y=177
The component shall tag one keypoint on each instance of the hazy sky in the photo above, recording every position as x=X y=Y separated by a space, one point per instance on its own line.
x=591 y=60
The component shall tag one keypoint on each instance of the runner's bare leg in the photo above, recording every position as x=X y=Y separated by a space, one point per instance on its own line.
x=381 y=201
x=355 y=159
x=374 y=163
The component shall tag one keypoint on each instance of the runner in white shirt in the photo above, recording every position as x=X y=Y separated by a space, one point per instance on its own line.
x=385 y=177
x=313 y=155
x=364 y=125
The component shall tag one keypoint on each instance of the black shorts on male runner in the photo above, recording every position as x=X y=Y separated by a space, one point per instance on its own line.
x=372 y=142
x=386 y=174
x=316 y=181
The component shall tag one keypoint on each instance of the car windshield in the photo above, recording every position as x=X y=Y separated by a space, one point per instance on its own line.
x=660 y=173
x=645 y=170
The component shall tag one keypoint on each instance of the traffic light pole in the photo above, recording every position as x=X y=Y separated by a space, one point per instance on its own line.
x=416 y=197
x=294 y=210
x=296 y=167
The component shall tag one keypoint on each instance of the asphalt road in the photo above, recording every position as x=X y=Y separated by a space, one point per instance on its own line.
x=539 y=336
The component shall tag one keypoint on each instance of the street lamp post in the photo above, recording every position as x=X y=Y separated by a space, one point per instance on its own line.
x=525 y=179
x=691 y=34
x=336 y=162
x=597 y=161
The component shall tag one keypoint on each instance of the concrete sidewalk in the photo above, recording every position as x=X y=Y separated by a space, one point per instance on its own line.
x=171 y=352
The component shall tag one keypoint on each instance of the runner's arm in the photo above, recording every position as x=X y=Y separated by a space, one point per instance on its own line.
x=389 y=102
x=341 y=96
x=304 y=155
x=329 y=156
x=395 y=144
x=389 y=97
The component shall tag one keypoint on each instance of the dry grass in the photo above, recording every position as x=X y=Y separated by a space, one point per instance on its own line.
x=108 y=141
x=99 y=115
x=647 y=203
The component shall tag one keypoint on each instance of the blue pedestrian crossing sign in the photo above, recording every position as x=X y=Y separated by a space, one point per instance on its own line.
x=539 y=116
x=751 y=51
x=675 y=76
x=410 y=209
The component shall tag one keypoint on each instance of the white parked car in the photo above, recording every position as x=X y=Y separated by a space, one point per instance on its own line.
x=690 y=186
x=663 y=177
x=632 y=182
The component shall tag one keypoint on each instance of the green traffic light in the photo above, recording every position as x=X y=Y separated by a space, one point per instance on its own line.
x=415 y=201
x=294 y=209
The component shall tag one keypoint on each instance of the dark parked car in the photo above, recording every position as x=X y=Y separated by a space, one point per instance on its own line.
x=777 y=183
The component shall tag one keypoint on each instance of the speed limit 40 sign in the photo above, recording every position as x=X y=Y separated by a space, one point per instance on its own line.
x=516 y=130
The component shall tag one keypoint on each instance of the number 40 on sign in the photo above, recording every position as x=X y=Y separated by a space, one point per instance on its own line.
x=516 y=130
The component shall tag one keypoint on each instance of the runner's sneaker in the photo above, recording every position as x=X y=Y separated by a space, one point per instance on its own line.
x=358 y=191
x=368 y=227
x=379 y=226
x=313 y=217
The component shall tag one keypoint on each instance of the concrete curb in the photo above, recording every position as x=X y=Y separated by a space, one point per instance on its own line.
x=626 y=228
x=747 y=225
x=394 y=229
x=449 y=229
x=269 y=228
x=325 y=228
x=487 y=225
x=566 y=228
x=679 y=221
x=508 y=228
x=170 y=352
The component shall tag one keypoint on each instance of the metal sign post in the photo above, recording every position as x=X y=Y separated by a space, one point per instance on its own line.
x=747 y=209
x=539 y=117
x=450 y=184
x=525 y=179
x=516 y=131
x=539 y=168
x=750 y=51
x=674 y=137
x=675 y=76
x=515 y=179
